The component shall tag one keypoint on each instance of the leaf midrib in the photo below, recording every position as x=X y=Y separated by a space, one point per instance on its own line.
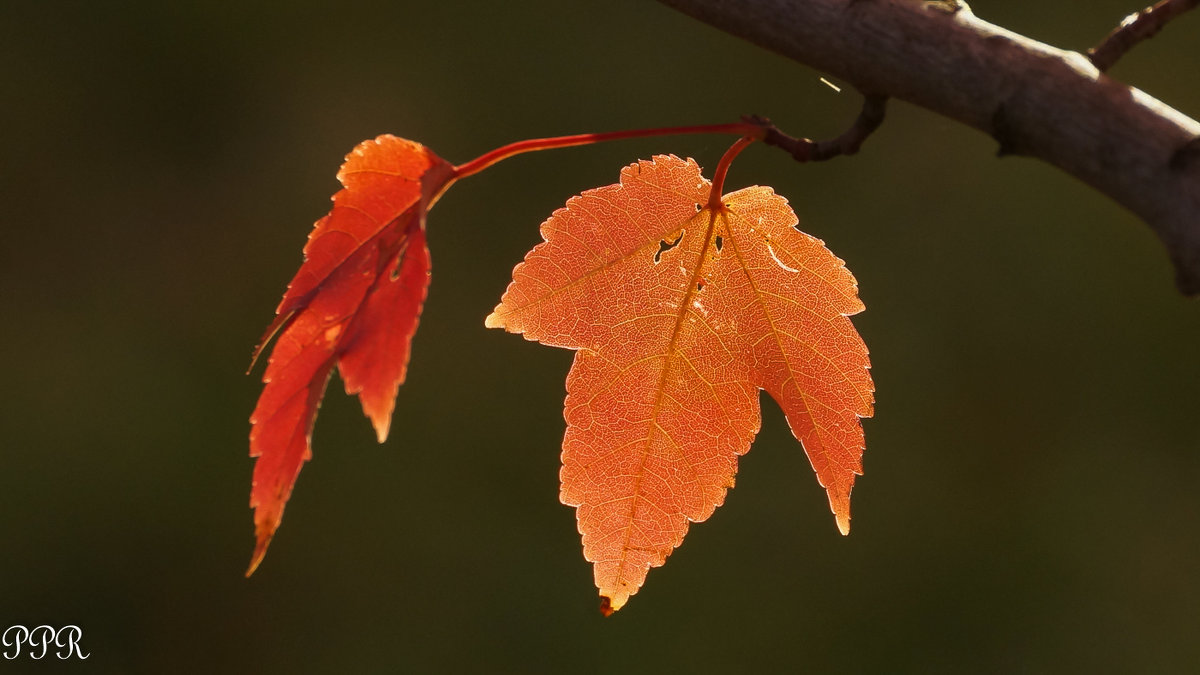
x=660 y=390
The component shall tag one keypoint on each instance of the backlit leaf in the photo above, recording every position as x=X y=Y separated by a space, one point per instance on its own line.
x=355 y=303
x=680 y=313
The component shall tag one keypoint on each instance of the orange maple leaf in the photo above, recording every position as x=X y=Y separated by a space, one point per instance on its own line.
x=355 y=303
x=681 y=305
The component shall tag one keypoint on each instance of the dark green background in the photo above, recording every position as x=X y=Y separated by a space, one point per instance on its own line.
x=1030 y=501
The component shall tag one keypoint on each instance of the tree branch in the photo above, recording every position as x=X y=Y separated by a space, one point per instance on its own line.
x=1034 y=99
x=1136 y=27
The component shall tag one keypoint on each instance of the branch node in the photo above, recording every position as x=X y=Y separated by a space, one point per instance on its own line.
x=1186 y=157
x=947 y=6
x=1002 y=131
x=1186 y=278
x=807 y=150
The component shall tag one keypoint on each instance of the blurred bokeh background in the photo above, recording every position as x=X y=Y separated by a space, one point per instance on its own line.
x=1030 y=502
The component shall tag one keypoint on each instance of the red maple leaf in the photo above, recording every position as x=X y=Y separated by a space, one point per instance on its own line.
x=355 y=302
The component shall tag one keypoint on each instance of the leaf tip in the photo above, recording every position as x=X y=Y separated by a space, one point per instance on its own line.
x=265 y=524
x=493 y=320
x=606 y=606
x=280 y=322
x=383 y=425
x=260 y=551
x=843 y=523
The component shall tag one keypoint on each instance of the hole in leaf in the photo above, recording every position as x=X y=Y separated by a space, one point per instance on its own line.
x=664 y=246
x=395 y=274
x=699 y=286
x=719 y=242
x=698 y=207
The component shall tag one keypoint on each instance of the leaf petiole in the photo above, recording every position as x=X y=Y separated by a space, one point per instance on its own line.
x=748 y=129
x=718 y=182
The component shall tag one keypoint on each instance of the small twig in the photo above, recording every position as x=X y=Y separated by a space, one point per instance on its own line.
x=807 y=150
x=1135 y=28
